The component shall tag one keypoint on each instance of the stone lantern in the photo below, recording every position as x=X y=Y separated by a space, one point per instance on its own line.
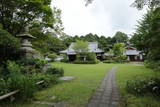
x=26 y=47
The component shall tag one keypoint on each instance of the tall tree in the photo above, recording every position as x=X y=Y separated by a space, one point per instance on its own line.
x=150 y=3
x=147 y=35
x=141 y=38
x=118 y=49
x=139 y=3
x=15 y=15
x=120 y=37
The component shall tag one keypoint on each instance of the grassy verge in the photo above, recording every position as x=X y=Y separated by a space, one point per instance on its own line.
x=127 y=72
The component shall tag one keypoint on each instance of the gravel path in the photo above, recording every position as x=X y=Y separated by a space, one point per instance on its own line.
x=107 y=95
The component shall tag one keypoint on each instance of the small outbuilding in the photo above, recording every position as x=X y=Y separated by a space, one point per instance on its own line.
x=133 y=54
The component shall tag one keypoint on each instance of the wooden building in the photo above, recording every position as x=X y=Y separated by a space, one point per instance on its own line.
x=92 y=46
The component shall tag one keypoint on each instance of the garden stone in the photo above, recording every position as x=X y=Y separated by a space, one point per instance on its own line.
x=66 y=78
x=53 y=97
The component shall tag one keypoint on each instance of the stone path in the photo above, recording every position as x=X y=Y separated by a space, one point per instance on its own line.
x=107 y=95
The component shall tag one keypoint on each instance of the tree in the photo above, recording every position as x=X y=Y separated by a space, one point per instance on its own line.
x=150 y=3
x=139 y=3
x=146 y=37
x=120 y=37
x=118 y=49
x=81 y=47
x=141 y=38
x=15 y=15
x=9 y=46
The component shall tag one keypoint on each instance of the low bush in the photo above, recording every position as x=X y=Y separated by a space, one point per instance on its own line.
x=16 y=79
x=48 y=79
x=155 y=65
x=23 y=83
x=40 y=63
x=55 y=71
x=120 y=59
x=91 y=56
x=3 y=86
x=141 y=86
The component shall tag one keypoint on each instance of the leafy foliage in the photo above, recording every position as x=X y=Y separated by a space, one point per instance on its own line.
x=80 y=46
x=15 y=15
x=147 y=35
x=45 y=42
x=9 y=46
x=150 y=3
x=55 y=71
x=52 y=56
x=105 y=43
x=90 y=59
x=47 y=78
x=120 y=37
x=91 y=56
x=141 y=86
x=118 y=49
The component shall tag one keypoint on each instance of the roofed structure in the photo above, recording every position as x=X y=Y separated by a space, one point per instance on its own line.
x=92 y=46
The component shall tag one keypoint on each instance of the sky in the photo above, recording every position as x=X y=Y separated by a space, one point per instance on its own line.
x=102 y=17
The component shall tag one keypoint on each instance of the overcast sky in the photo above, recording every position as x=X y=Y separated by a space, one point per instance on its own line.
x=102 y=17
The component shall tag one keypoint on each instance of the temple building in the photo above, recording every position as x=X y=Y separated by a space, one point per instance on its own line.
x=92 y=46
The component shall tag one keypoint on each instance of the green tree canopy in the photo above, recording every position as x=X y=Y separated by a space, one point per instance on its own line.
x=15 y=15
x=118 y=49
x=146 y=37
x=120 y=37
x=9 y=45
x=81 y=47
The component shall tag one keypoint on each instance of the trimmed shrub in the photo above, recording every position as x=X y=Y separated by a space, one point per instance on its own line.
x=109 y=61
x=120 y=59
x=143 y=86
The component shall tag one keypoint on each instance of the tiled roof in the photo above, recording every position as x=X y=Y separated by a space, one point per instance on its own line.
x=93 y=47
x=132 y=52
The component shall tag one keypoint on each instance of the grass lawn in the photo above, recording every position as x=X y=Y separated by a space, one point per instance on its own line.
x=88 y=77
x=127 y=72
x=76 y=92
